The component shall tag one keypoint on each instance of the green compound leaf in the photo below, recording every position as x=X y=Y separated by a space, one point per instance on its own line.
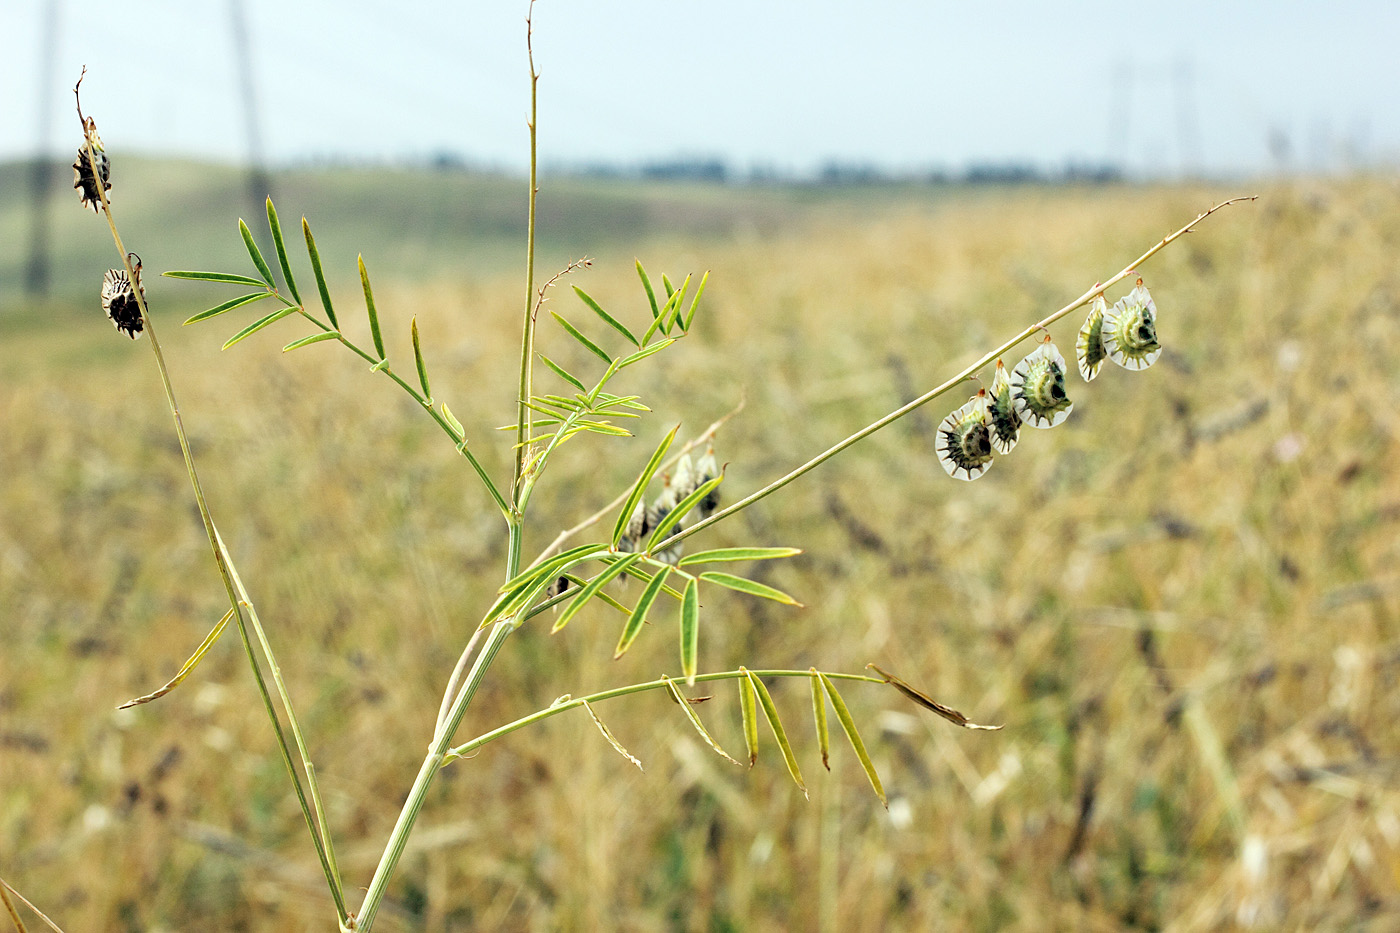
x=639 y=488
x=369 y=309
x=225 y=277
x=720 y=555
x=578 y=335
x=276 y=227
x=256 y=254
x=229 y=306
x=608 y=319
x=564 y=374
x=638 y=617
x=308 y=341
x=690 y=630
x=694 y=718
x=418 y=360
x=848 y=724
x=748 y=586
x=593 y=586
x=819 y=718
x=748 y=706
x=258 y=325
x=770 y=712
x=320 y=276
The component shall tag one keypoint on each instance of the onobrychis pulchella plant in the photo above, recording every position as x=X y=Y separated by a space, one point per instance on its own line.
x=645 y=537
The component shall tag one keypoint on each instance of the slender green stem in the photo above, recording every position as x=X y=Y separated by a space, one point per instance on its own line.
x=527 y=340
x=221 y=557
x=660 y=684
x=939 y=390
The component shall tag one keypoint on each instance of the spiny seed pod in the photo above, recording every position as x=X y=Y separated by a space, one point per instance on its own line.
x=1038 y=387
x=705 y=471
x=965 y=440
x=119 y=301
x=1130 y=330
x=85 y=178
x=1001 y=412
x=1089 y=347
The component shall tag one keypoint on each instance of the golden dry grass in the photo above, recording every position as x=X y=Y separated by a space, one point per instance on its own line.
x=1182 y=603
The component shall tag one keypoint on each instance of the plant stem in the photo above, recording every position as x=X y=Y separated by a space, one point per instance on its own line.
x=224 y=562
x=527 y=340
x=939 y=390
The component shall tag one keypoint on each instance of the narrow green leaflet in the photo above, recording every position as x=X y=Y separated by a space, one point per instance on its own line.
x=748 y=707
x=188 y=666
x=695 y=302
x=258 y=325
x=639 y=488
x=555 y=565
x=229 y=305
x=748 y=586
x=578 y=335
x=690 y=630
x=594 y=585
x=694 y=718
x=602 y=427
x=666 y=284
x=225 y=277
x=683 y=507
x=256 y=254
x=608 y=319
x=564 y=374
x=645 y=352
x=308 y=341
x=819 y=717
x=320 y=276
x=640 y=574
x=720 y=555
x=638 y=618
x=369 y=309
x=276 y=227
x=843 y=715
x=612 y=740
x=928 y=702
x=418 y=359
x=667 y=315
x=646 y=284
x=454 y=423
x=770 y=712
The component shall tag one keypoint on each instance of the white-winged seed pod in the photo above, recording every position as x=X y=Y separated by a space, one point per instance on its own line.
x=705 y=470
x=638 y=527
x=1089 y=347
x=660 y=508
x=119 y=301
x=1038 y=387
x=1001 y=412
x=965 y=440
x=684 y=481
x=85 y=177
x=1130 y=330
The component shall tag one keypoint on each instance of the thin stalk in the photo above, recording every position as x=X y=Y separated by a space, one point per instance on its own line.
x=437 y=753
x=660 y=684
x=221 y=557
x=939 y=390
x=527 y=340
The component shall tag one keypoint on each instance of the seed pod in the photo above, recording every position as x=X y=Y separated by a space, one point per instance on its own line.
x=1130 y=330
x=1001 y=412
x=660 y=508
x=85 y=177
x=965 y=440
x=638 y=527
x=119 y=301
x=1038 y=387
x=1089 y=347
x=706 y=470
x=684 y=483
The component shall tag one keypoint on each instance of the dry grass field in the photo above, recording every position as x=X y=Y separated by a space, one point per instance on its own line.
x=1183 y=604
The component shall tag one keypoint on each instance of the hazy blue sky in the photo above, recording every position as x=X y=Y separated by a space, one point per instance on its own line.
x=1230 y=87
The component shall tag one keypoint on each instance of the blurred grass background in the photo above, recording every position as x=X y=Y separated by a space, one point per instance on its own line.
x=1182 y=603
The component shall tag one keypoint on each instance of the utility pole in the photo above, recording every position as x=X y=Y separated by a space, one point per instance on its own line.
x=36 y=271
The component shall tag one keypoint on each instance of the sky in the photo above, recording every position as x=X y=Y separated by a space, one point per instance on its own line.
x=1164 y=89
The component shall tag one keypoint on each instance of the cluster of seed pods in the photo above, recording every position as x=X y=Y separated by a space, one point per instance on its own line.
x=1034 y=393
x=688 y=477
